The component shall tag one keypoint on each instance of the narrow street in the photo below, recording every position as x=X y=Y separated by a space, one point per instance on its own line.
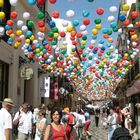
x=97 y=133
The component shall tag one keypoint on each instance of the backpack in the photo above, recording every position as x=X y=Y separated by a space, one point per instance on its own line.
x=15 y=127
x=121 y=133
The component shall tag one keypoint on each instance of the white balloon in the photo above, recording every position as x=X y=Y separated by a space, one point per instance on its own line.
x=128 y=42
x=82 y=27
x=95 y=58
x=132 y=56
x=2 y=30
x=65 y=43
x=111 y=18
x=120 y=31
x=93 y=42
x=54 y=46
x=100 y=45
x=134 y=43
x=40 y=38
x=64 y=23
x=113 y=9
x=49 y=60
x=70 y=13
x=24 y=28
x=26 y=15
x=22 y=36
x=130 y=26
x=85 y=32
x=35 y=41
x=20 y=23
x=134 y=53
x=13 y=2
x=137 y=50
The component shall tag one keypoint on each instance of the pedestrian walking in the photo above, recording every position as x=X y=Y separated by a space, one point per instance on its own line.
x=6 y=119
x=97 y=115
x=112 y=122
x=24 y=119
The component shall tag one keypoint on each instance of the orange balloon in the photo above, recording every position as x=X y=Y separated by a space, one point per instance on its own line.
x=79 y=35
x=106 y=36
x=110 y=40
x=42 y=29
x=73 y=33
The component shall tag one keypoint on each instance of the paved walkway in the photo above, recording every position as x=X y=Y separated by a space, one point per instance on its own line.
x=97 y=133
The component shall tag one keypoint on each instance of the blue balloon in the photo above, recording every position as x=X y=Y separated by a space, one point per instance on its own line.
x=52 y=24
x=113 y=24
x=31 y=2
x=44 y=43
x=44 y=50
x=94 y=37
x=105 y=30
x=101 y=41
x=122 y=17
x=7 y=27
x=108 y=44
x=30 y=49
x=103 y=48
x=29 y=33
x=75 y=22
x=85 y=13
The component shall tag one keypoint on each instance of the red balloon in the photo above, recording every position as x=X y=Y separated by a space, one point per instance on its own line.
x=41 y=23
x=55 y=14
x=79 y=34
x=62 y=34
x=13 y=14
x=73 y=33
x=95 y=49
x=86 y=21
x=52 y=1
x=19 y=39
x=134 y=14
x=97 y=62
x=10 y=22
x=40 y=2
x=33 y=47
x=74 y=42
x=90 y=46
x=99 y=54
x=100 y=11
x=126 y=22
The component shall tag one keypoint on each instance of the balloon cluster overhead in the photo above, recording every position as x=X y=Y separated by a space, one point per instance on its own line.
x=93 y=65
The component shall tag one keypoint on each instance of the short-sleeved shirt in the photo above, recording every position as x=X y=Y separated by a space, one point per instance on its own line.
x=5 y=122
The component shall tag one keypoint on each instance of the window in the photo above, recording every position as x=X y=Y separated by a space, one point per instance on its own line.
x=6 y=9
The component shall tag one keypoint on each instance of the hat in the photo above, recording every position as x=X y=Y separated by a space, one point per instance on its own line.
x=8 y=101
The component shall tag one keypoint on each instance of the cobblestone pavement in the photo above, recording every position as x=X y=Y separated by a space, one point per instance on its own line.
x=97 y=133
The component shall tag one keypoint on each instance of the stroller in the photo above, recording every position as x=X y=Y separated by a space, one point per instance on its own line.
x=121 y=133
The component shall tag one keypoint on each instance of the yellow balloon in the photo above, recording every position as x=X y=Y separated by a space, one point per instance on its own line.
x=125 y=7
x=126 y=55
x=83 y=42
x=41 y=53
x=18 y=32
x=1 y=3
x=2 y=15
x=55 y=35
x=112 y=65
x=27 y=41
x=106 y=56
x=32 y=37
x=67 y=58
x=63 y=47
x=38 y=50
x=71 y=52
x=69 y=28
x=18 y=43
x=104 y=60
x=51 y=68
x=16 y=46
x=12 y=36
x=134 y=36
x=78 y=67
x=94 y=31
x=98 y=26
x=55 y=62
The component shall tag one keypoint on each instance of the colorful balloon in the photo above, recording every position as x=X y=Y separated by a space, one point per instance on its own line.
x=100 y=11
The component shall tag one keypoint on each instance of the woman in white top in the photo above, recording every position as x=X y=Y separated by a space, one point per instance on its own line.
x=112 y=122
x=41 y=125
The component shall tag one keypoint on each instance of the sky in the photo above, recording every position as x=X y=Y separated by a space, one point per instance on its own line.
x=79 y=5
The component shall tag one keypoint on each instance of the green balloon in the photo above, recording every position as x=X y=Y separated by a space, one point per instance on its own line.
x=84 y=37
x=60 y=57
x=55 y=29
x=34 y=51
x=64 y=51
x=84 y=54
x=50 y=34
x=82 y=47
x=30 y=24
x=90 y=57
x=108 y=53
x=41 y=48
x=109 y=32
x=41 y=15
x=73 y=49
x=54 y=42
x=115 y=29
x=130 y=52
x=97 y=20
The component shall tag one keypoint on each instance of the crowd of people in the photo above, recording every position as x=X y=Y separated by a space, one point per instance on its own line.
x=52 y=123
x=43 y=123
